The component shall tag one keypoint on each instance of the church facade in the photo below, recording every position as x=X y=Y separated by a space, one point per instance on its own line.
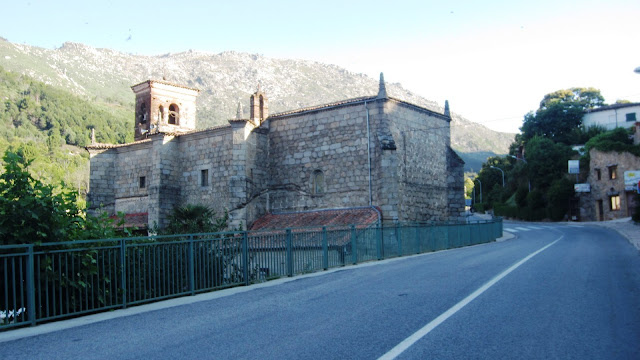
x=377 y=151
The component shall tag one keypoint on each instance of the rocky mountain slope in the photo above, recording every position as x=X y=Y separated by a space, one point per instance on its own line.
x=105 y=76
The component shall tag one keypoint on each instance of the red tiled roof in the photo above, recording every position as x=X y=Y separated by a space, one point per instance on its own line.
x=333 y=217
x=138 y=220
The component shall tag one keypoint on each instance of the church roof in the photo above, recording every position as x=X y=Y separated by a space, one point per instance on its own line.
x=354 y=101
x=165 y=83
x=98 y=146
x=361 y=217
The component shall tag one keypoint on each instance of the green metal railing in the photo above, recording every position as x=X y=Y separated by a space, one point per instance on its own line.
x=60 y=280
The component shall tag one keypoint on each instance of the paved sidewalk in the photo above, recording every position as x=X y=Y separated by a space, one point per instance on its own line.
x=625 y=227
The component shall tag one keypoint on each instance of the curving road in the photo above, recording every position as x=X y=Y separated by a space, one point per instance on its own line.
x=554 y=291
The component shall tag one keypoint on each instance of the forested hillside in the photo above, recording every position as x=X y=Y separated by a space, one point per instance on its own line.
x=51 y=125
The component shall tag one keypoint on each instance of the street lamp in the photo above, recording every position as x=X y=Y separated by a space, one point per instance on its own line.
x=474 y=191
x=525 y=161
x=497 y=168
x=517 y=158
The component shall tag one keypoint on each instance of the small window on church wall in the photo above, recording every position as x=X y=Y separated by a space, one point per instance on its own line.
x=204 y=177
x=160 y=114
x=317 y=182
x=613 y=172
x=143 y=182
x=174 y=114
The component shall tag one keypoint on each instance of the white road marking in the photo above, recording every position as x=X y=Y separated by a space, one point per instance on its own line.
x=511 y=229
x=406 y=343
x=523 y=228
x=537 y=227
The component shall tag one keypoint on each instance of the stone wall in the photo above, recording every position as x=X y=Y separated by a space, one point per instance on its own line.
x=306 y=160
x=333 y=141
x=208 y=151
x=427 y=173
x=415 y=174
x=101 y=193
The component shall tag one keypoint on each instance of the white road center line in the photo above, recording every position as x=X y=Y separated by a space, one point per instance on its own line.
x=406 y=343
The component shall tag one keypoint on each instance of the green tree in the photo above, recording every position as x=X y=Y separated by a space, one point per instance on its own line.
x=547 y=161
x=560 y=113
x=32 y=212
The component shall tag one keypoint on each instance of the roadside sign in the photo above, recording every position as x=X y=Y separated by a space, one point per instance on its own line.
x=574 y=166
x=631 y=180
x=582 y=188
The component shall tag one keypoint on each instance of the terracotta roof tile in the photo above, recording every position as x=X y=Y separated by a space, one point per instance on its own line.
x=363 y=217
x=138 y=220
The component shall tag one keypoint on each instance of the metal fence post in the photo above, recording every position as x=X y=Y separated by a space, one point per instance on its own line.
x=31 y=289
x=123 y=271
x=417 y=239
x=446 y=237
x=191 y=265
x=289 y=254
x=398 y=240
x=379 y=252
x=325 y=249
x=245 y=257
x=354 y=252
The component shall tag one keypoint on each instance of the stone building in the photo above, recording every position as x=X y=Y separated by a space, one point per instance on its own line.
x=609 y=196
x=374 y=152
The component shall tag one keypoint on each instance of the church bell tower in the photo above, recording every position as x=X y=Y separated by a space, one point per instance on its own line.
x=162 y=106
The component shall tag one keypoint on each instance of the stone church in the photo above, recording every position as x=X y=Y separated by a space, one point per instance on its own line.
x=377 y=153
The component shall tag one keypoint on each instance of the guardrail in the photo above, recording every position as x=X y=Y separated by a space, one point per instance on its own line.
x=59 y=280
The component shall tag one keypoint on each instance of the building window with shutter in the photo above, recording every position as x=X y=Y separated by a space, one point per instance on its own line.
x=614 y=202
x=631 y=116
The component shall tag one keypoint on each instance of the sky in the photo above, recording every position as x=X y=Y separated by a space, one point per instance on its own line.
x=492 y=60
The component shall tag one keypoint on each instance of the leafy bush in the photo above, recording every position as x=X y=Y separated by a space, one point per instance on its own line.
x=558 y=195
x=191 y=219
x=32 y=212
x=614 y=140
x=521 y=197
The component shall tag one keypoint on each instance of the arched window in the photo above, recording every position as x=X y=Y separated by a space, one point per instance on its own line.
x=174 y=114
x=142 y=114
x=317 y=182
x=261 y=107
x=160 y=114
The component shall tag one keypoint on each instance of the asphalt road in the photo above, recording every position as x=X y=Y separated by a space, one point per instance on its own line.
x=555 y=291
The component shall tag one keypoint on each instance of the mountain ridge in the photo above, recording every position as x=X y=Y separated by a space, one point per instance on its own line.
x=226 y=78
